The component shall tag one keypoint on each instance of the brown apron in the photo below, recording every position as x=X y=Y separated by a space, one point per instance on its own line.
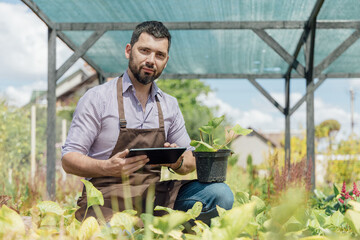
x=138 y=183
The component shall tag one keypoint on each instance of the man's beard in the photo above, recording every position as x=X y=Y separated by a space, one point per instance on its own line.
x=142 y=78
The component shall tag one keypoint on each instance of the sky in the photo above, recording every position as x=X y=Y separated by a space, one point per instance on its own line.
x=23 y=68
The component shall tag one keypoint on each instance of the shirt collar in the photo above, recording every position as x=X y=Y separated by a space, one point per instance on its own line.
x=128 y=84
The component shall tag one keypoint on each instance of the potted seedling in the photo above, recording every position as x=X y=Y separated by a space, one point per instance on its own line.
x=211 y=156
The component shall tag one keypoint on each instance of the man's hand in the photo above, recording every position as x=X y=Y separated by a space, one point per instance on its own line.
x=176 y=164
x=172 y=145
x=119 y=165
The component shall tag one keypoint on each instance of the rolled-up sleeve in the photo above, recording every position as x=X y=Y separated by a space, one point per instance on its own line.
x=86 y=124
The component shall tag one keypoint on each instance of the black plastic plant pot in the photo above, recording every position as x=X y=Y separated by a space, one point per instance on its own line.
x=211 y=166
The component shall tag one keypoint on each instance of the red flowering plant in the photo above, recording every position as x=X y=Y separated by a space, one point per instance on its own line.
x=347 y=196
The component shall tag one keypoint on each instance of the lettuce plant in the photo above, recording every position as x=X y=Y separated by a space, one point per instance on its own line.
x=212 y=144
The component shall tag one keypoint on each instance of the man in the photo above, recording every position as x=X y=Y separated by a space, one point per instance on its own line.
x=132 y=112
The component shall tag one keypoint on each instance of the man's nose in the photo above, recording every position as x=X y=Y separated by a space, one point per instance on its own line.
x=151 y=59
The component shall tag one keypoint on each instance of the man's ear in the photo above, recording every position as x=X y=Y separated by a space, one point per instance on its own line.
x=127 y=50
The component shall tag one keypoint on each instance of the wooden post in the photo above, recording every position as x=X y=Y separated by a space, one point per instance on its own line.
x=63 y=139
x=310 y=125
x=287 y=123
x=51 y=116
x=33 y=143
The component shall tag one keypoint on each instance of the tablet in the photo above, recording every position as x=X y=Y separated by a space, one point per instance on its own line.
x=158 y=155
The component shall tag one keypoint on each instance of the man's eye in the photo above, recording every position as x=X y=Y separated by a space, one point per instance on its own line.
x=160 y=55
x=144 y=51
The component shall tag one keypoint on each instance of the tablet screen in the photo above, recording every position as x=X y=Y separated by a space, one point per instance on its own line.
x=158 y=155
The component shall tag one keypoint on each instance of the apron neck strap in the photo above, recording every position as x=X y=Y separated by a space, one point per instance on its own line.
x=122 y=120
x=160 y=113
x=120 y=99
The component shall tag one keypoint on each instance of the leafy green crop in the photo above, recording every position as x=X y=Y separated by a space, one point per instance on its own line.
x=213 y=145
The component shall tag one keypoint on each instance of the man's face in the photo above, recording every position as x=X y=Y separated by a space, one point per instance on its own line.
x=147 y=57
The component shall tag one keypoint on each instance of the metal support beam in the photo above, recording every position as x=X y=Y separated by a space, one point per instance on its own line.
x=79 y=52
x=39 y=13
x=51 y=116
x=43 y=17
x=308 y=91
x=73 y=47
x=267 y=95
x=211 y=75
x=287 y=123
x=311 y=21
x=101 y=78
x=280 y=50
x=341 y=75
x=226 y=25
x=310 y=125
x=337 y=52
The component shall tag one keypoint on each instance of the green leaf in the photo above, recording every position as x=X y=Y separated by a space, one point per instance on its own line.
x=200 y=227
x=242 y=197
x=169 y=222
x=10 y=222
x=123 y=220
x=355 y=206
x=336 y=190
x=316 y=238
x=194 y=143
x=50 y=207
x=241 y=131
x=320 y=217
x=215 y=122
x=94 y=196
x=236 y=219
x=292 y=203
x=337 y=219
x=161 y=208
x=261 y=218
x=353 y=219
x=195 y=211
x=204 y=147
x=252 y=228
x=319 y=194
x=260 y=205
x=207 y=129
x=221 y=211
x=73 y=228
x=131 y=212
x=50 y=220
x=176 y=234
x=293 y=225
x=88 y=228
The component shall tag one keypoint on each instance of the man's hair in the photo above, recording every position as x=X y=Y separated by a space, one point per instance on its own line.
x=154 y=28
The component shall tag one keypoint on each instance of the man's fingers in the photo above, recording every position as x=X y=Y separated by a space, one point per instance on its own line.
x=172 y=145
x=128 y=169
x=122 y=154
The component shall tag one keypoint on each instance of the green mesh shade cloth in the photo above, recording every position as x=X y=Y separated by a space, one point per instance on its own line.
x=212 y=51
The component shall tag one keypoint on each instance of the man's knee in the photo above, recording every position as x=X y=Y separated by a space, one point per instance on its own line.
x=223 y=195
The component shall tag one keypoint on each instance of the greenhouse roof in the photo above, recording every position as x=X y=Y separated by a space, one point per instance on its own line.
x=211 y=39
x=214 y=38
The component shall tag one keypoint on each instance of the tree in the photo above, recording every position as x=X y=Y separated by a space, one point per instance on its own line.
x=327 y=129
x=186 y=91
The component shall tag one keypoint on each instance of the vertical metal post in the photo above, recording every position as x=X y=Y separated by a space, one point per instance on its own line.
x=33 y=143
x=63 y=139
x=51 y=115
x=352 y=98
x=287 y=121
x=310 y=127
